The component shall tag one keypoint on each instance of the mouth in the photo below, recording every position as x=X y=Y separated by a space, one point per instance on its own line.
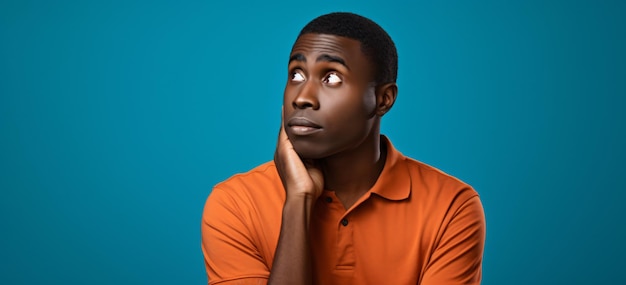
x=302 y=126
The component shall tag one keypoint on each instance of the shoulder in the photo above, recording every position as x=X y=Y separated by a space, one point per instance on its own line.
x=434 y=185
x=256 y=188
x=449 y=202
x=431 y=174
x=261 y=175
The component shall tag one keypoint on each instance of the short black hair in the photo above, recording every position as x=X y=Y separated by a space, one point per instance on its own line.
x=376 y=44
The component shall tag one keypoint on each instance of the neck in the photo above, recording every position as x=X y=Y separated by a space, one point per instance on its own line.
x=353 y=172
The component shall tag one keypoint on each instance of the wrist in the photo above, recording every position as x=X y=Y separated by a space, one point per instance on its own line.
x=300 y=198
x=297 y=209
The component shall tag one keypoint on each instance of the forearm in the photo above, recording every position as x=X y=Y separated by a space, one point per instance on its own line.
x=292 y=260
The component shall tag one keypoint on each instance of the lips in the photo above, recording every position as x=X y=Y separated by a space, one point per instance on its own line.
x=302 y=122
x=301 y=126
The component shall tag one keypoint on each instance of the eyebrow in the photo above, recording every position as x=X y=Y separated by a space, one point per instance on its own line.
x=297 y=57
x=323 y=57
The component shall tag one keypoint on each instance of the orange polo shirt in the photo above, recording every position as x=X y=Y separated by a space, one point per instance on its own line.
x=417 y=225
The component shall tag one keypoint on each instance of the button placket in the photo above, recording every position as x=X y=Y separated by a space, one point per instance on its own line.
x=345 y=245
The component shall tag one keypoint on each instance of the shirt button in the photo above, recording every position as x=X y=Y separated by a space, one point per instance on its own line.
x=329 y=200
x=344 y=222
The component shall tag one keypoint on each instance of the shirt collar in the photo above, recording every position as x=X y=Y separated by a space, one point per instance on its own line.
x=394 y=182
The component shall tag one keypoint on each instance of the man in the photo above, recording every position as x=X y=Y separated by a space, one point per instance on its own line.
x=339 y=204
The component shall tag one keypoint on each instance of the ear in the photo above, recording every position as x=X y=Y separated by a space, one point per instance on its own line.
x=385 y=97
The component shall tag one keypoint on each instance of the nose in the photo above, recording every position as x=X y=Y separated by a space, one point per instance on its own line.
x=307 y=97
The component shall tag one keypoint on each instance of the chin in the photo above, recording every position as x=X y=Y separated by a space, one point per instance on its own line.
x=309 y=150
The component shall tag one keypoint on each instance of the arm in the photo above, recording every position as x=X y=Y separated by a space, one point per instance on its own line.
x=230 y=255
x=303 y=184
x=458 y=256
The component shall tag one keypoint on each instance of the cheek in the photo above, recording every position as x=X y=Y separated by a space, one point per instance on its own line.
x=369 y=103
x=352 y=111
x=287 y=94
x=361 y=106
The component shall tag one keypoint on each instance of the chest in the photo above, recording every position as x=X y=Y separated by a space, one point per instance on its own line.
x=376 y=242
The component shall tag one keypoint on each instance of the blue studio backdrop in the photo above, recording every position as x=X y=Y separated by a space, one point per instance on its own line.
x=118 y=117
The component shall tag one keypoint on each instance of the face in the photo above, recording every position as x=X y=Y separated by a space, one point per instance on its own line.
x=329 y=102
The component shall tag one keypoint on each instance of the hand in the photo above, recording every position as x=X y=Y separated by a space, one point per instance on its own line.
x=300 y=178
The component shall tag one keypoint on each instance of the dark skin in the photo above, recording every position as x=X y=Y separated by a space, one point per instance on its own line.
x=329 y=139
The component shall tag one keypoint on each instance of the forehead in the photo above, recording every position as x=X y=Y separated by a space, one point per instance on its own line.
x=346 y=48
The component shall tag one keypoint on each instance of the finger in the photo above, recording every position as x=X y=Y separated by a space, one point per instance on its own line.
x=282 y=122
x=285 y=156
x=282 y=134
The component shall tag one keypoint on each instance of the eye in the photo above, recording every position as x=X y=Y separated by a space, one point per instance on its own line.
x=296 y=76
x=332 y=79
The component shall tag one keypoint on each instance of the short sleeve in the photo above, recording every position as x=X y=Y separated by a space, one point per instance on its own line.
x=458 y=257
x=230 y=254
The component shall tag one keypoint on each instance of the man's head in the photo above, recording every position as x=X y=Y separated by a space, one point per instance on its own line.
x=342 y=73
x=376 y=44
